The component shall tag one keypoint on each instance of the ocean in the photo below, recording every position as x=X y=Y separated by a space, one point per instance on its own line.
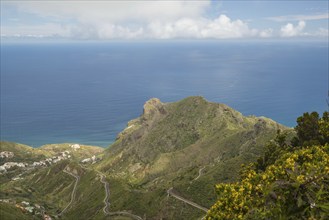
x=87 y=92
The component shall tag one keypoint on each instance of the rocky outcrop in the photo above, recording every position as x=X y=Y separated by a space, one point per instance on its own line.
x=153 y=111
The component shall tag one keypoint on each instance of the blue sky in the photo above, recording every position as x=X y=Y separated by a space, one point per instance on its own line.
x=108 y=20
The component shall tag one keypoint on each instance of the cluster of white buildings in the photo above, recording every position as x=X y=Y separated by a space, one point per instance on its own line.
x=75 y=146
x=46 y=162
x=62 y=156
x=6 y=154
x=28 y=207
x=91 y=160
x=9 y=165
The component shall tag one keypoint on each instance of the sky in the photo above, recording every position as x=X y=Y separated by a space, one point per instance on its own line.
x=163 y=20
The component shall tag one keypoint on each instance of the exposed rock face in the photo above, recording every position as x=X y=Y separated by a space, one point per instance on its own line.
x=150 y=105
x=153 y=108
x=153 y=111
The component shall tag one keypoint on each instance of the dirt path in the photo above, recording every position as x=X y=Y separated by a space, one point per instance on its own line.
x=170 y=192
x=73 y=191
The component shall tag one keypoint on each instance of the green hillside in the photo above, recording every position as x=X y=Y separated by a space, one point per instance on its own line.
x=168 y=146
x=11 y=212
x=290 y=181
x=164 y=165
x=22 y=153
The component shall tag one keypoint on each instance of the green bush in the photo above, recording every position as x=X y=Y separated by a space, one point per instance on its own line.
x=295 y=186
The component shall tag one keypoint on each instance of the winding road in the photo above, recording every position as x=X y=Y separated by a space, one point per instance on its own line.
x=107 y=204
x=107 y=195
x=106 y=188
x=73 y=191
x=124 y=213
x=200 y=173
x=171 y=193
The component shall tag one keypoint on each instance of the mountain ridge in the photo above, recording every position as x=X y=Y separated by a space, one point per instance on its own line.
x=183 y=147
x=202 y=120
x=170 y=142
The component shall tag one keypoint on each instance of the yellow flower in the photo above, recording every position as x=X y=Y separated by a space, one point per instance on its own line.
x=301 y=178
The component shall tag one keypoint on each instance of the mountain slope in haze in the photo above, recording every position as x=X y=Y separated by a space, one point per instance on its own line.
x=189 y=145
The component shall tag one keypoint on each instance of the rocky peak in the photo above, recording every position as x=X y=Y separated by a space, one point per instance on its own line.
x=152 y=108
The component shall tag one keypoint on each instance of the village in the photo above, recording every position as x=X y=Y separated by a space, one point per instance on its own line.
x=25 y=206
x=7 y=166
x=46 y=162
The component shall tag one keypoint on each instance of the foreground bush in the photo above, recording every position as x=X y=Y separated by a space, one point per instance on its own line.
x=296 y=186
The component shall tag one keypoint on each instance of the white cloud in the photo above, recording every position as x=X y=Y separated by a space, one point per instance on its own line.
x=43 y=30
x=114 y=11
x=128 y=20
x=108 y=19
x=224 y=27
x=299 y=17
x=322 y=32
x=137 y=20
x=218 y=28
x=289 y=30
x=266 y=33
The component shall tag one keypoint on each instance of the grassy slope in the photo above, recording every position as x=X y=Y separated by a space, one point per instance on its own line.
x=84 y=151
x=27 y=154
x=22 y=153
x=167 y=146
x=89 y=198
x=50 y=186
x=10 y=212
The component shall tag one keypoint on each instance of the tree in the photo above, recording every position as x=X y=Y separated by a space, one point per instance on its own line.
x=273 y=150
x=312 y=130
x=308 y=129
x=324 y=127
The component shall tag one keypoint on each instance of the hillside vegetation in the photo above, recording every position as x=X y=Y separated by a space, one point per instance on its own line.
x=163 y=165
x=291 y=181
x=189 y=145
x=40 y=187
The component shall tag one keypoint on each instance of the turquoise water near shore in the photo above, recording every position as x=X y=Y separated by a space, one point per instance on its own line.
x=87 y=92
